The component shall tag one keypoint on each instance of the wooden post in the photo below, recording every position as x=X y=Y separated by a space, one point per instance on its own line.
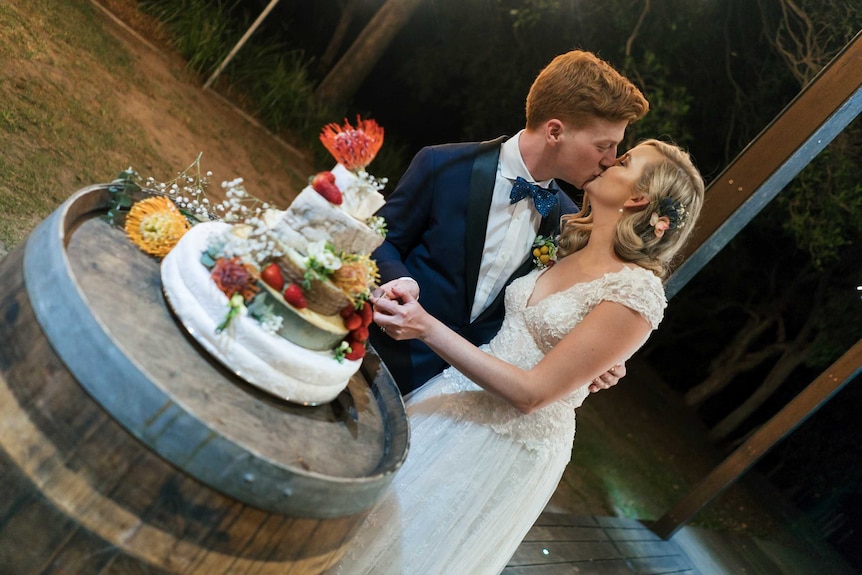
x=782 y=424
x=239 y=44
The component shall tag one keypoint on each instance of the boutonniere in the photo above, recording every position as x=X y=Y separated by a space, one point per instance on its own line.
x=544 y=252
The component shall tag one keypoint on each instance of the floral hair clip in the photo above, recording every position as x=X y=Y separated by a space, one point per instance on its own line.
x=670 y=214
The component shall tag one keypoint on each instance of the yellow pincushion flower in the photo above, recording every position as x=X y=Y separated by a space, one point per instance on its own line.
x=356 y=275
x=156 y=225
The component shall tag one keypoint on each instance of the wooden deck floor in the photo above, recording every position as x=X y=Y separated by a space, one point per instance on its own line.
x=561 y=544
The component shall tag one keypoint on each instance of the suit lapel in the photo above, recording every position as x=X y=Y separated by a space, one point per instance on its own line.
x=551 y=223
x=480 y=192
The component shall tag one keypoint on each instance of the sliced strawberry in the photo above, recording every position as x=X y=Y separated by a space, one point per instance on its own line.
x=293 y=295
x=324 y=184
x=271 y=275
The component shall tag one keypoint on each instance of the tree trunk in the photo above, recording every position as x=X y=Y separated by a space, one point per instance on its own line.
x=347 y=75
x=777 y=375
x=733 y=360
x=348 y=11
x=793 y=356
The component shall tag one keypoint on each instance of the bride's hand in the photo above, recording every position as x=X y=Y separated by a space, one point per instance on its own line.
x=399 y=314
x=609 y=378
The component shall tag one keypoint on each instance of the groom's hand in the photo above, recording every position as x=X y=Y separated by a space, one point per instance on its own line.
x=609 y=378
x=405 y=285
x=399 y=315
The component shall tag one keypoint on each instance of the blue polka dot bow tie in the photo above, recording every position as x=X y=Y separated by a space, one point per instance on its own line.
x=543 y=199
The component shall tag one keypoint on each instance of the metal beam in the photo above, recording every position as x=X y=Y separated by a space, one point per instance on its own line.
x=806 y=126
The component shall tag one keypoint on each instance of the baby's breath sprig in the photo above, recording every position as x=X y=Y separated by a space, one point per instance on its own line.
x=238 y=205
x=258 y=243
x=187 y=190
x=378 y=224
x=374 y=183
x=265 y=313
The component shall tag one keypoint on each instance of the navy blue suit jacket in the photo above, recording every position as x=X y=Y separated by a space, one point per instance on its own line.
x=437 y=218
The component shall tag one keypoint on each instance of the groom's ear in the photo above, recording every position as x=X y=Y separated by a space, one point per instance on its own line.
x=553 y=129
x=636 y=204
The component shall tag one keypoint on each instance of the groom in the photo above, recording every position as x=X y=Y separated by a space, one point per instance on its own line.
x=458 y=234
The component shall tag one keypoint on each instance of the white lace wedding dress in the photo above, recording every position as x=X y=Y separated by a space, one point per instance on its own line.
x=479 y=472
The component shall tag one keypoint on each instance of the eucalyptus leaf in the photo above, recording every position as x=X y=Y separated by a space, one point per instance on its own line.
x=207 y=260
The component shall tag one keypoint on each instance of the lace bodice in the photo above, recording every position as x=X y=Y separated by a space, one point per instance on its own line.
x=529 y=332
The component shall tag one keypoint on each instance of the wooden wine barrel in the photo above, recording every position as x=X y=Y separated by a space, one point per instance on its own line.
x=124 y=448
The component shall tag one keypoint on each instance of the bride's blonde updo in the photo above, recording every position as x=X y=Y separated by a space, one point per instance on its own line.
x=651 y=236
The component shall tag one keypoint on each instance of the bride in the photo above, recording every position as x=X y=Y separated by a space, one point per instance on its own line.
x=492 y=435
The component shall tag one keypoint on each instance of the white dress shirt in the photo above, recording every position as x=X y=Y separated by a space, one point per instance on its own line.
x=511 y=229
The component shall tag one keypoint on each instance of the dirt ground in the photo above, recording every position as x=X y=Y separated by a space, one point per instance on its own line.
x=71 y=119
x=234 y=144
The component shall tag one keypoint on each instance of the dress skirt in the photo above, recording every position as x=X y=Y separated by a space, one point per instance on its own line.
x=473 y=484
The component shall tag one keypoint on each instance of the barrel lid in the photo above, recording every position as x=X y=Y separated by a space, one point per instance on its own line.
x=99 y=300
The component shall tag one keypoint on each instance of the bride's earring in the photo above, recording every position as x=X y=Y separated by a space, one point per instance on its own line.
x=621 y=210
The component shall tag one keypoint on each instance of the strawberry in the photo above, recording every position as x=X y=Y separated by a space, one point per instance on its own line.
x=324 y=184
x=293 y=296
x=353 y=321
x=346 y=311
x=367 y=313
x=357 y=351
x=360 y=334
x=271 y=275
x=326 y=176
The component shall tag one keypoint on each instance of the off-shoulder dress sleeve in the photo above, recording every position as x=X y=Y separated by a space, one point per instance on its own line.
x=640 y=290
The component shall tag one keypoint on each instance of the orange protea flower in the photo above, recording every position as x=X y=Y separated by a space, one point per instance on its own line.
x=156 y=225
x=353 y=148
x=232 y=276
